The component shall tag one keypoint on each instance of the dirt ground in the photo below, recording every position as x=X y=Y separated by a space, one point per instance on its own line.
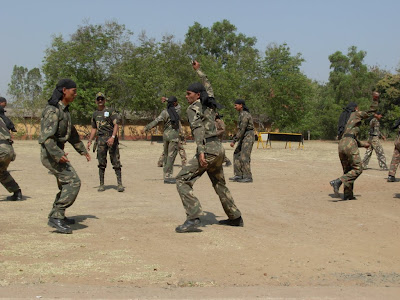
x=297 y=242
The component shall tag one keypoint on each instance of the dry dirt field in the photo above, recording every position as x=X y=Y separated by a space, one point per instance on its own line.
x=297 y=242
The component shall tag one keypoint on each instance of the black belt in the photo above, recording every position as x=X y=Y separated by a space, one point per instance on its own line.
x=349 y=135
x=212 y=138
x=373 y=135
x=7 y=142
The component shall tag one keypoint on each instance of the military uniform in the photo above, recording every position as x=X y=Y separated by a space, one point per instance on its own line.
x=245 y=140
x=348 y=149
x=7 y=155
x=181 y=150
x=374 y=135
x=56 y=130
x=104 y=121
x=202 y=124
x=170 y=140
x=396 y=156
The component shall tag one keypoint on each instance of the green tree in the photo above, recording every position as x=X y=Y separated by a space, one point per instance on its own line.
x=88 y=58
x=25 y=90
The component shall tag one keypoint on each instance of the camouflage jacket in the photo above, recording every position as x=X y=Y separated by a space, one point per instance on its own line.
x=104 y=121
x=220 y=127
x=56 y=129
x=205 y=82
x=374 y=128
x=170 y=133
x=4 y=131
x=353 y=124
x=202 y=124
x=245 y=125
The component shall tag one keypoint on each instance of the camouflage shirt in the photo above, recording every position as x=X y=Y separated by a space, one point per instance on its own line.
x=56 y=129
x=245 y=125
x=169 y=132
x=202 y=124
x=374 y=128
x=205 y=82
x=4 y=131
x=353 y=124
x=104 y=121
x=220 y=127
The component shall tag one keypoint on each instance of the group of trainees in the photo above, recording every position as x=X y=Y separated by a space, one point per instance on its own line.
x=57 y=129
x=349 y=143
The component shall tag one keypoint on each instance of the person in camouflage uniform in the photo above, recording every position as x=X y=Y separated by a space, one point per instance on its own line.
x=220 y=126
x=209 y=158
x=245 y=139
x=374 y=136
x=170 y=117
x=7 y=155
x=396 y=154
x=105 y=124
x=348 y=150
x=55 y=130
x=182 y=141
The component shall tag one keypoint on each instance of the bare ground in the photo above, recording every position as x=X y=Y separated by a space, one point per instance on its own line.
x=298 y=241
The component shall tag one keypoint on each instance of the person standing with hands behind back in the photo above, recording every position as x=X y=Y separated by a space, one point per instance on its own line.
x=55 y=130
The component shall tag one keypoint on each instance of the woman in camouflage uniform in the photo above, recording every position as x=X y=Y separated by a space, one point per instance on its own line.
x=348 y=150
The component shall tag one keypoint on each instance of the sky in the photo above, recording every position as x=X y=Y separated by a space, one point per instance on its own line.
x=316 y=29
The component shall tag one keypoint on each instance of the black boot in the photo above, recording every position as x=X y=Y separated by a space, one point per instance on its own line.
x=235 y=222
x=391 y=178
x=189 y=226
x=336 y=185
x=101 y=176
x=59 y=225
x=120 y=187
x=16 y=196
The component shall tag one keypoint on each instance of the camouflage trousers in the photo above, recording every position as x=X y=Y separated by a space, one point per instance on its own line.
x=68 y=183
x=103 y=149
x=182 y=154
x=242 y=156
x=7 y=155
x=395 y=158
x=170 y=152
x=193 y=171
x=375 y=145
x=351 y=162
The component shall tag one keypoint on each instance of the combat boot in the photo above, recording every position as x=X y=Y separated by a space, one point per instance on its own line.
x=349 y=197
x=59 y=225
x=336 y=185
x=391 y=178
x=120 y=187
x=16 y=196
x=189 y=226
x=101 y=176
x=235 y=178
x=245 y=180
x=238 y=222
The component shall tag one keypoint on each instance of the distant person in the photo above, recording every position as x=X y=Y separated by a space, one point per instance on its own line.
x=10 y=125
x=396 y=154
x=170 y=117
x=209 y=158
x=245 y=141
x=220 y=125
x=374 y=136
x=349 y=154
x=182 y=141
x=105 y=124
x=7 y=154
x=55 y=130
